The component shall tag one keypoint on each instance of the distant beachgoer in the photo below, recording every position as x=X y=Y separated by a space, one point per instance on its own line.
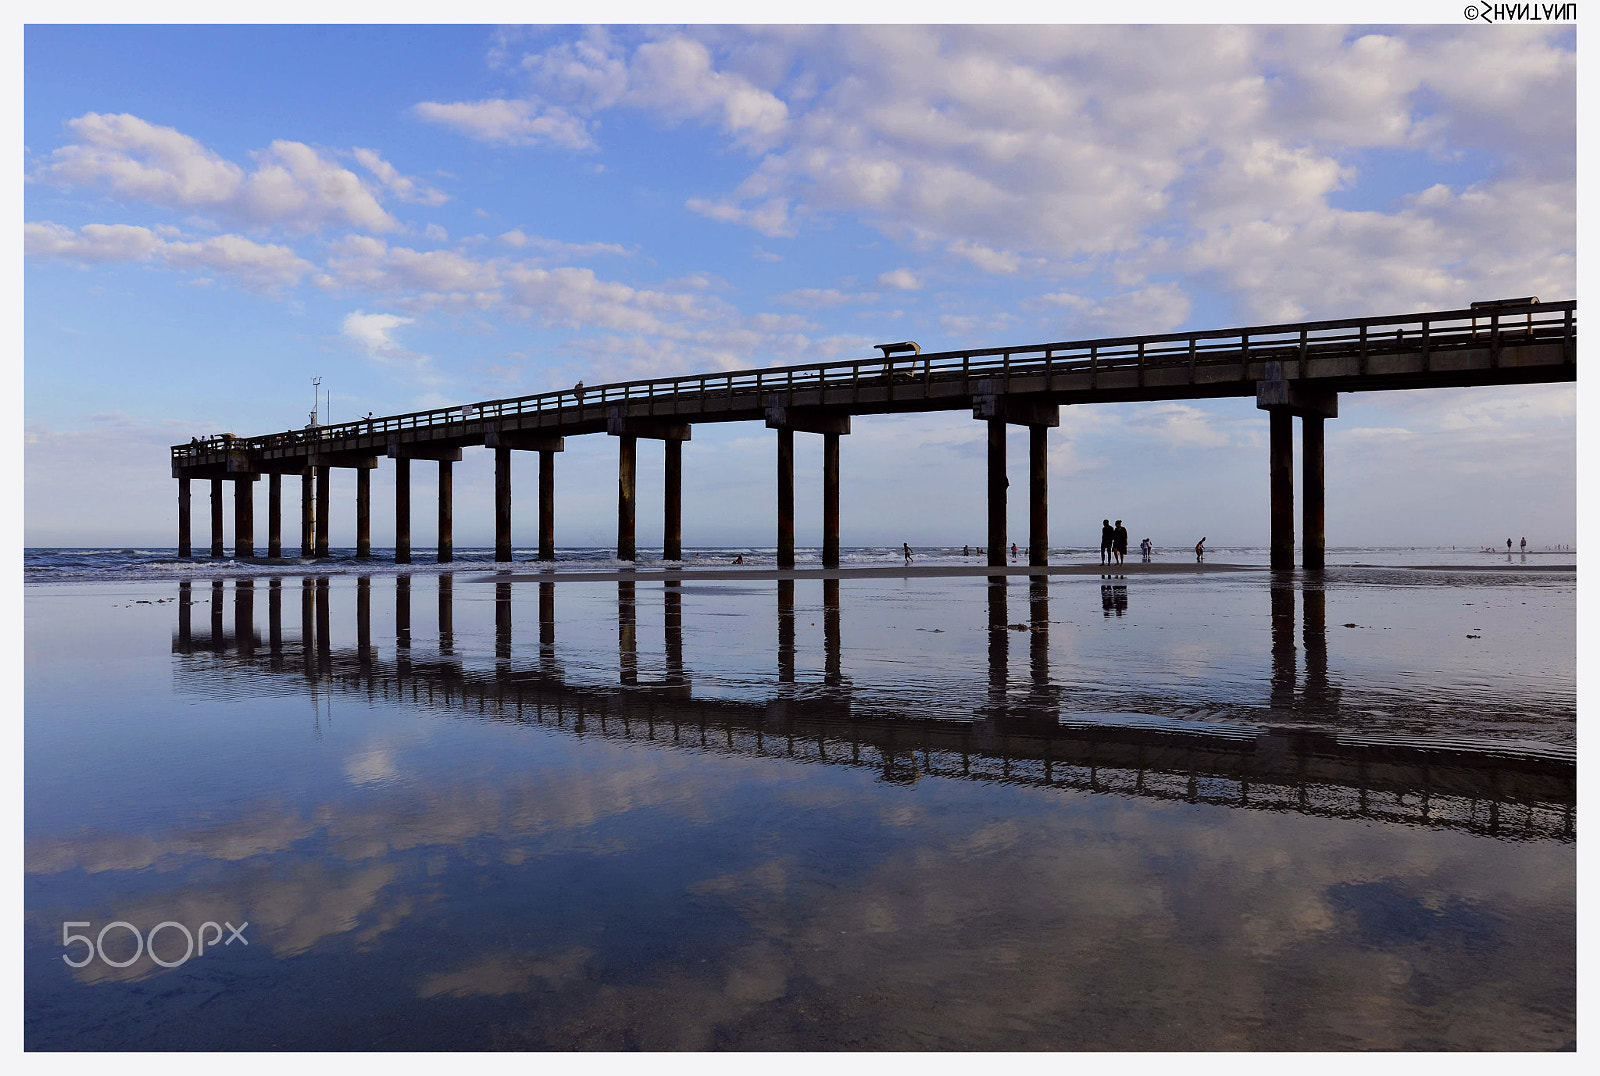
x=1508 y=545
x=1013 y=550
x=1145 y=549
x=1106 y=536
x=739 y=559
x=966 y=551
x=906 y=549
x=1200 y=550
x=1119 y=542
x=1524 y=545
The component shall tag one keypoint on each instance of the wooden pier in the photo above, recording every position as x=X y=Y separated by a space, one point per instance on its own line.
x=1291 y=369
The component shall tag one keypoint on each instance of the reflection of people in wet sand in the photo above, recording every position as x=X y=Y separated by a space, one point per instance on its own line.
x=1200 y=550
x=1119 y=542
x=906 y=549
x=1106 y=534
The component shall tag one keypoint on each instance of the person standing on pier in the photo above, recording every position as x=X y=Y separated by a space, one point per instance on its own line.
x=1107 y=535
x=1119 y=542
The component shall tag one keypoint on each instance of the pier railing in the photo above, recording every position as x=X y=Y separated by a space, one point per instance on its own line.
x=1433 y=332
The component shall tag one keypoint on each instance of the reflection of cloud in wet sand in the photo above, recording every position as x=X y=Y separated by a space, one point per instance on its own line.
x=1154 y=930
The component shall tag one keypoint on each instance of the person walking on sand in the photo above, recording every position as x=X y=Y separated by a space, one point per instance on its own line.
x=1508 y=546
x=905 y=547
x=1200 y=550
x=1524 y=545
x=1119 y=542
x=1013 y=550
x=1106 y=536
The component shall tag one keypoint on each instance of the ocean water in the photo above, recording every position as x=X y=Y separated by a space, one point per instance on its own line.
x=453 y=808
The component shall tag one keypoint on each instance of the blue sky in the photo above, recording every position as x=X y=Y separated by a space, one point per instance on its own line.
x=433 y=215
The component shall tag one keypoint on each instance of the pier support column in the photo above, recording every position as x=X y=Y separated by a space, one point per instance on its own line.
x=184 y=535
x=830 y=500
x=1038 y=496
x=997 y=492
x=672 y=502
x=547 y=504
x=402 y=511
x=244 y=517
x=786 y=498
x=627 y=466
x=324 y=510
x=216 y=517
x=502 y=504
x=308 y=512
x=446 y=514
x=1313 y=538
x=831 y=423
x=1281 y=457
x=275 y=515
x=363 y=512
x=1038 y=412
x=1282 y=399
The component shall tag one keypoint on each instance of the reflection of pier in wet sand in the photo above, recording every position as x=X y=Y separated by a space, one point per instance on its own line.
x=1022 y=733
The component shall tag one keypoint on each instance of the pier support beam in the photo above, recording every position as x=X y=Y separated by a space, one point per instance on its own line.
x=324 y=508
x=1282 y=399
x=999 y=409
x=403 y=452
x=216 y=517
x=786 y=498
x=672 y=502
x=628 y=429
x=831 y=424
x=997 y=492
x=1038 y=496
x=447 y=549
x=503 y=441
x=402 y=510
x=830 y=500
x=627 y=465
x=1314 y=540
x=275 y=515
x=244 y=517
x=1281 y=461
x=308 y=512
x=363 y=513
x=184 y=535
x=547 y=504
x=502 y=504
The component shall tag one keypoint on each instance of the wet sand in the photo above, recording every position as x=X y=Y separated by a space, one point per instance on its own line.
x=917 y=571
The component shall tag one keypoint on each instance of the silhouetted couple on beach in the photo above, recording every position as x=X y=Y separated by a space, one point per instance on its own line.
x=1113 y=542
